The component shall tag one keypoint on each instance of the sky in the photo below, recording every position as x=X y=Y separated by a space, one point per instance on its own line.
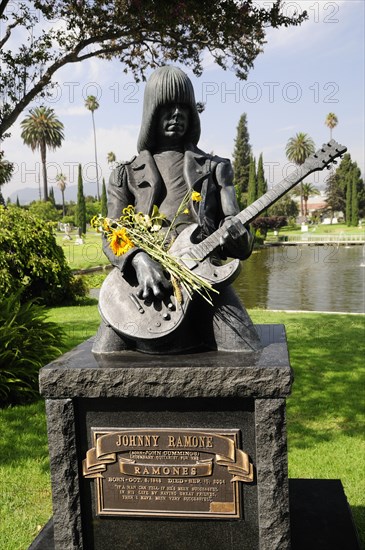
x=303 y=74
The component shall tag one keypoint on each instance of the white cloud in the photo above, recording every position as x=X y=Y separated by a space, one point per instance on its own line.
x=73 y=111
x=309 y=33
x=286 y=129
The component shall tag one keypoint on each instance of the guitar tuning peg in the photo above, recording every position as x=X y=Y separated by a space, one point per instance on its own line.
x=335 y=162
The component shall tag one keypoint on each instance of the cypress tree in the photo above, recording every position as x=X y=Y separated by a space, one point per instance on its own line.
x=17 y=201
x=354 y=204
x=252 y=182
x=348 y=177
x=104 y=200
x=335 y=194
x=241 y=156
x=80 y=214
x=51 y=196
x=261 y=182
x=361 y=195
x=356 y=179
x=349 y=201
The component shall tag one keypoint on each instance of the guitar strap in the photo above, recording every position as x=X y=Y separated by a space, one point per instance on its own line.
x=203 y=193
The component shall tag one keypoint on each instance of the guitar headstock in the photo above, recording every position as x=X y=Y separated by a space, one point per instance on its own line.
x=324 y=156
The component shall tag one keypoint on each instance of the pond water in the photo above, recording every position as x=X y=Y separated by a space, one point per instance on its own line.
x=309 y=278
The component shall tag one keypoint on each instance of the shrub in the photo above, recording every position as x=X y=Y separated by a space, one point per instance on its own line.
x=27 y=342
x=31 y=260
x=269 y=222
x=95 y=280
x=259 y=237
x=68 y=219
x=79 y=285
x=46 y=211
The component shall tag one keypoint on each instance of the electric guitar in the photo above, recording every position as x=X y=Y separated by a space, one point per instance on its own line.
x=138 y=319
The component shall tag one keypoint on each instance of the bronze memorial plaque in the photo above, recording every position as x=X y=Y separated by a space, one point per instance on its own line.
x=167 y=472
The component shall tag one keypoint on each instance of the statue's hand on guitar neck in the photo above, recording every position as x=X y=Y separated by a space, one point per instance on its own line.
x=152 y=282
x=236 y=240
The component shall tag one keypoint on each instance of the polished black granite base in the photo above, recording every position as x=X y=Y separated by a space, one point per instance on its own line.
x=319 y=515
x=206 y=390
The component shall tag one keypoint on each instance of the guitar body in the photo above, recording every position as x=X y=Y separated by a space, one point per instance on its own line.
x=134 y=317
x=140 y=319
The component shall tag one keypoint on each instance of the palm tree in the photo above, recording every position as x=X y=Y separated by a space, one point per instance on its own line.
x=297 y=150
x=61 y=183
x=308 y=190
x=92 y=104
x=112 y=159
x=42 y=129
x=331 y=121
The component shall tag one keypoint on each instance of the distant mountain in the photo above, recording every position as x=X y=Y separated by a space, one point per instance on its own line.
x=29 y=194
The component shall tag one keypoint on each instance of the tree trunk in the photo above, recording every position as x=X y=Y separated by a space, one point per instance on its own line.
x=63 y=203
x=301 y=200
x=44 y=171
x=305 y=199
x=96 y=159
x=2 y=201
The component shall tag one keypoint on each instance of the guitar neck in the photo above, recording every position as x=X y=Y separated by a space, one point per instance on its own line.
x=211 y=243
x=322 y=158
x=270 y=197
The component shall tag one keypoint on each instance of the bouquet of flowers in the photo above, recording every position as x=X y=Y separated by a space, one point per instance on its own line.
x=154 y=235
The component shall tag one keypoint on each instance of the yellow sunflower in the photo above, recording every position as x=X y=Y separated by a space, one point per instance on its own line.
x=120 y=242
x=196 y=196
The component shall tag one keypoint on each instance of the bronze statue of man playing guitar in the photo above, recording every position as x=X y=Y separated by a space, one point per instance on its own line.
x=137 y=305
x=167 y=166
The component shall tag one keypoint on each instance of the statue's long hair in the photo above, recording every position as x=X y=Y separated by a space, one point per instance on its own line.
x=167 y=85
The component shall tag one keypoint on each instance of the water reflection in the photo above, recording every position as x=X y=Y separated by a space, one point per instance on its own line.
x=312 y=278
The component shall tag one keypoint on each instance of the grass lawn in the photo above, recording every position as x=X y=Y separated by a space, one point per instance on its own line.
x=326 y=410
x=83 y=256
x=321 y=229
x=325 y=417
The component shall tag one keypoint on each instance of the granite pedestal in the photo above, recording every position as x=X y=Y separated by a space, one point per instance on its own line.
x=208 y=391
